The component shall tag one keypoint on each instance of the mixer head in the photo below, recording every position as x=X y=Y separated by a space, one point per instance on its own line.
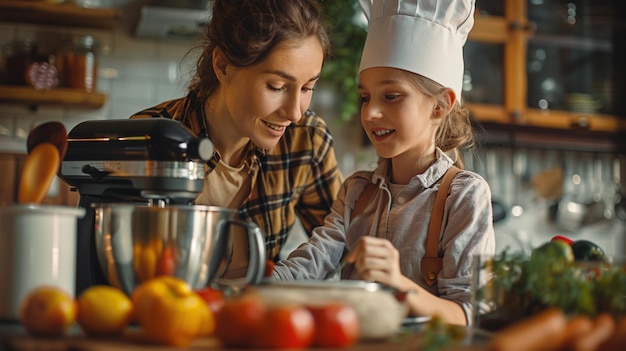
x=136 y=159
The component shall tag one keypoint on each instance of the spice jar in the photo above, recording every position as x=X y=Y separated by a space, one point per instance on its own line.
x=79 y=64
x=19 y=54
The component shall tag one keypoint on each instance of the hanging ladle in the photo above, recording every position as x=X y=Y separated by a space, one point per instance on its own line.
x=46 y=145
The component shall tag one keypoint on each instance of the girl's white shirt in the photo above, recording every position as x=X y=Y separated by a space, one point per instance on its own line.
x=467 y=229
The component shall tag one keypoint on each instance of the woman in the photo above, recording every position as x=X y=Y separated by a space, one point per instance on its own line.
x=410 y=85
x=252 y=87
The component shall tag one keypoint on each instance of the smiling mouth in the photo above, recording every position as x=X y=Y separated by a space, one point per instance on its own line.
x=383 y=132
x=274 y=126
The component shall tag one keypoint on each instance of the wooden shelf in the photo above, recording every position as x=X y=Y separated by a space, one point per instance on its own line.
x=39 y=12
x=572 y=139
x=551 y=119
x=57 y=96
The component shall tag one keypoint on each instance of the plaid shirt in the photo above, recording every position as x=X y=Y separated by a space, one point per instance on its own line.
x=299 y=176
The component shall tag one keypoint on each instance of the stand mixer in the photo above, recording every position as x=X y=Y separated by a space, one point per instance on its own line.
x=152 y=161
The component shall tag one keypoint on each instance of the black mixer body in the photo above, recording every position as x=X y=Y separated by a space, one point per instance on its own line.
x=152 y=161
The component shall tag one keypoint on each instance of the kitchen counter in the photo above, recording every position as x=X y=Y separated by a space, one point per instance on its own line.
x=13 y=337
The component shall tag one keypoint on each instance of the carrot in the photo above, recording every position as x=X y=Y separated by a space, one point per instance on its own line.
x=577 y=326
x=617 y=341
x=543 y=331
x=601 y=331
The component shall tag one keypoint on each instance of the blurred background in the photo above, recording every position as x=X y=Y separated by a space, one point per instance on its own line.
x=544 y=80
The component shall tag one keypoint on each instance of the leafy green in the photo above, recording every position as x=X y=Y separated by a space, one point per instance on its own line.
x=520 y=287
x=438 y=334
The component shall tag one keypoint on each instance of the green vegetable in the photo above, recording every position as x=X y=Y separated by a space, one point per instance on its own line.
x=585 y=250
x=437 y=335
x=554 y=255
x=521 y=286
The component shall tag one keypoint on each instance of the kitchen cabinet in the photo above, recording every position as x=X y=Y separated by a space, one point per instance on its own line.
x=12 y=165
x=56 y=14
x=547 y=64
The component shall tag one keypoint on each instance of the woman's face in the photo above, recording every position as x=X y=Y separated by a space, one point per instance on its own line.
x=397 y=117
x=264 y=99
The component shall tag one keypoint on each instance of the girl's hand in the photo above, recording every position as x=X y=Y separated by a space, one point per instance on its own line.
x=376 y=259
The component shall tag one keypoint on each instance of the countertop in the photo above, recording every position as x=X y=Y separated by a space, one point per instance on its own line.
x=13 y=337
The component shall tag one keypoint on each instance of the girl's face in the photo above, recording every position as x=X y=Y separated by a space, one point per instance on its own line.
x=397 y=117
x=264 y=99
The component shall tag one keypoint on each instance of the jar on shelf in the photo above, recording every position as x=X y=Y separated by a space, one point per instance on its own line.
x=18 y=55
x=80 y=64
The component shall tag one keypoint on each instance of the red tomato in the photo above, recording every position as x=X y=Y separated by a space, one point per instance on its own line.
x=239 y=319
x=286 y=326
x=166 y=262
x=562 y=238
x=214 y=298
x=336 y=325
x=269 y=269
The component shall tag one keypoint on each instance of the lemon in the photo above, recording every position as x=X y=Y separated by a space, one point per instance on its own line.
x=104 y=311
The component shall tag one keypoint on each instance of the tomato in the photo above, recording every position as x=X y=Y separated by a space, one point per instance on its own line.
x=562 y=238
x=269 y=269
x=166 y=262
x=168 y=311
x=336 y=324
x=239 y=319
x=214 y=298
x=286 y=326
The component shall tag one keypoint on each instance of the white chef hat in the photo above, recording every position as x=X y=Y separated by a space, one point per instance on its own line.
x=420 y=36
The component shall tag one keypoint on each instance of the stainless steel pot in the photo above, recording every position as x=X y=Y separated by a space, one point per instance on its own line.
x=572 y=215
x=195 y=243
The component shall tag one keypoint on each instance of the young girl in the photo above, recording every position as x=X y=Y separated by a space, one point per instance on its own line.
x=410 y=84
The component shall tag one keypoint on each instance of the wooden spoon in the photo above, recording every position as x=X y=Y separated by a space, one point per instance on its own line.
x=40 y=168
x=46 y=145
x=48 y=132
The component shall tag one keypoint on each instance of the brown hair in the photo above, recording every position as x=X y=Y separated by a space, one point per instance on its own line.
x=456 y=132
x=246 y=31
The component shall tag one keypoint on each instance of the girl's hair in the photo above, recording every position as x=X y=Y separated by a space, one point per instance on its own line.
x=456 y=132
x=246 y=31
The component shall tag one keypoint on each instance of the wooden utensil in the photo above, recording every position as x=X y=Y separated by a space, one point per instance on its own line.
x=46 y=145
x=48 y=132
x=40 y=168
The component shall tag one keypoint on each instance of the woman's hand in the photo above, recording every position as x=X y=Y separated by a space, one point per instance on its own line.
x=376 y=259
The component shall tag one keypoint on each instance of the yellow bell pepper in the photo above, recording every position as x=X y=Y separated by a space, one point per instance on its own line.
x=169 y=312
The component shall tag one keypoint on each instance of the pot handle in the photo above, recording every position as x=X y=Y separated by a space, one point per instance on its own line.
x=256 y=266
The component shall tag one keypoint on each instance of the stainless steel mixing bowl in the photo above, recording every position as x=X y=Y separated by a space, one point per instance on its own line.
x=135 y=243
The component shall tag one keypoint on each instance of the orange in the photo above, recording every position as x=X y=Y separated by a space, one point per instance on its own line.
x=104 y=311
x=48 y=311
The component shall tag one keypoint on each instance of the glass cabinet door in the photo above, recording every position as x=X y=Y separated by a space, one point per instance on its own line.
x=570 y=56
x=483 y=80
x=548 y=63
